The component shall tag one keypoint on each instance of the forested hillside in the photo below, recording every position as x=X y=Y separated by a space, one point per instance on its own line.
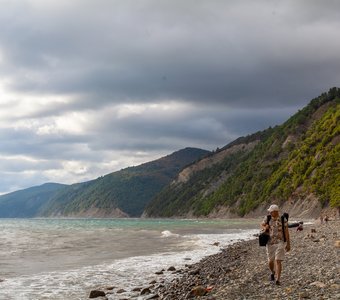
x=27 y=203
x=122 y=193
x=288 y=162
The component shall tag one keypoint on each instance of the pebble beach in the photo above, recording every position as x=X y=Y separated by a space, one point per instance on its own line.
x=311 y=270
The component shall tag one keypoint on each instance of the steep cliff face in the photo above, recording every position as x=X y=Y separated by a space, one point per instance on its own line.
x=212 y=160
x=200 y=180
x=296 y=162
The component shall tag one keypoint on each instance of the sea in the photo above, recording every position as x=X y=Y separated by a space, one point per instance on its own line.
x=67 y=258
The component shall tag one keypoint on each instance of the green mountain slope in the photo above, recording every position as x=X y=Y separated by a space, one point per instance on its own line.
x=27 y=203
x=122 y=193
x=291 y=161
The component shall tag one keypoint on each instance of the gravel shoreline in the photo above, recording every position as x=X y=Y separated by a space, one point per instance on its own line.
x=311 y=270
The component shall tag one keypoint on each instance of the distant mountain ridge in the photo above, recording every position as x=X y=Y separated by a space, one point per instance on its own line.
x=124 y=193
x=27 y=203
x=119 y=194
x=296 y=164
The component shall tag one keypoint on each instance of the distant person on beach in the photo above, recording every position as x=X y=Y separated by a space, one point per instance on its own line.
x=326 y=219
x=279 y=241
x=300 y=227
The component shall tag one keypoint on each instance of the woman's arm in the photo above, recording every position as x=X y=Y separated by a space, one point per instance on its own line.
x=287 y=238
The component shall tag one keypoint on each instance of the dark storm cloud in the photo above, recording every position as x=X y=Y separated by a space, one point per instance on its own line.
x=243 y=53
x=196 y=73
x=160 y=130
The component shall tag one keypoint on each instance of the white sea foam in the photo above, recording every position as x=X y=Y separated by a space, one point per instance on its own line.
x=167 y=233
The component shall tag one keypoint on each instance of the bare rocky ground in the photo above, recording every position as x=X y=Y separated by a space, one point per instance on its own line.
x=311 y=270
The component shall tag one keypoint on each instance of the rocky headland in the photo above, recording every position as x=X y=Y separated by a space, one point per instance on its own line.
x=311 y=270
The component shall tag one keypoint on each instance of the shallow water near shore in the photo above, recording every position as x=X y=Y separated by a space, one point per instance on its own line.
x=66 y=258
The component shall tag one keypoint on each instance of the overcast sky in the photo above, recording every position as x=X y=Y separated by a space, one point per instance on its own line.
x=88 y=87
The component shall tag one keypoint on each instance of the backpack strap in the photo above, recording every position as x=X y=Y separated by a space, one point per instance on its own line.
x=269 y=217
x=283 y=227
x=286 y=215
x=268 y=220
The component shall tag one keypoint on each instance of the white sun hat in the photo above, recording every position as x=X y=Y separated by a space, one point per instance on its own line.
x=273 y=207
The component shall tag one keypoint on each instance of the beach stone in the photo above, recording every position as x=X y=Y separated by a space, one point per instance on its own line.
x=318 y=284
x=131 y=296
x=159 y=272
x=121 y=291
x=194 y=272
x=145 y=291
x=137 y=289
x=96 y=294
x=335 y=286
x=198 y=291
x=172 y=268
x=154 y=296
x=304 y=295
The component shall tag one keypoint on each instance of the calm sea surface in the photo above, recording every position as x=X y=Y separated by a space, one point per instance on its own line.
x=66 y=258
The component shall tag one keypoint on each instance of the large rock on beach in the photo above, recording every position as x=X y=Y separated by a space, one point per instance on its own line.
x=145 y=291
x=96 y=294
x=197 y=291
